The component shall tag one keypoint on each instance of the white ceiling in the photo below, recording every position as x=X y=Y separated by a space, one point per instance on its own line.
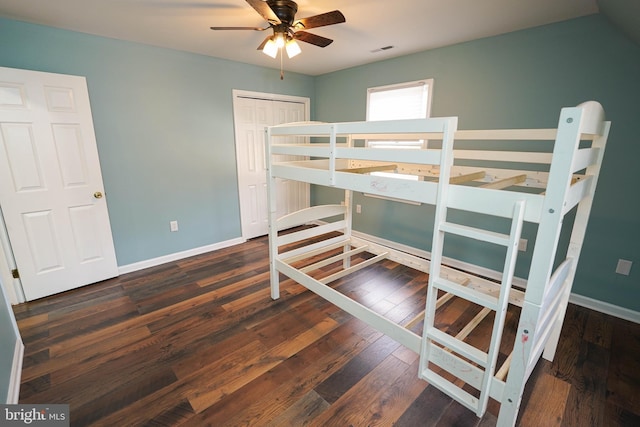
x=407 y=25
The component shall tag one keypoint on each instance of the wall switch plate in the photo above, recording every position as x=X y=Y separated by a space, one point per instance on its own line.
x=624 y=267
x=173 y=225
x=358 y=208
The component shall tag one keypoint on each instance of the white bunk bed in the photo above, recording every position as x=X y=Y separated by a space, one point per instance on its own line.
x=489 y=172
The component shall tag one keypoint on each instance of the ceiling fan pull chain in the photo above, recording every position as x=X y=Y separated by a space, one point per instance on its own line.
x=281 y=66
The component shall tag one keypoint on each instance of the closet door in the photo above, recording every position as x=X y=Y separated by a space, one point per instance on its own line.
x=251 y=116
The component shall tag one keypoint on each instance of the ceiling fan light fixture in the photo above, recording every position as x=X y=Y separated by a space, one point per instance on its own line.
x=293 y=48
x=280 y=40
x=270 y=48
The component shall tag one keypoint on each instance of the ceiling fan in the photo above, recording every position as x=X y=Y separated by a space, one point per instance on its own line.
x=280 y=15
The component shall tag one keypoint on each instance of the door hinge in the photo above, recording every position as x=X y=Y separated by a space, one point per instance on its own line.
x=15 y=273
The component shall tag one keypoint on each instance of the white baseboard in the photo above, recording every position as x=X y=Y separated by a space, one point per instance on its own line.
x=13 y=389
x=605 y=307
x=129 y=268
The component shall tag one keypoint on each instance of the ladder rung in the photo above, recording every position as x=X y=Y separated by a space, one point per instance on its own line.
x=457 y=366
x=460 y=347
x=475 y=233
x=467 y=293
x=451 y=389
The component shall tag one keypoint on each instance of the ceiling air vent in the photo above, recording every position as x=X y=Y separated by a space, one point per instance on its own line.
x=380 y=49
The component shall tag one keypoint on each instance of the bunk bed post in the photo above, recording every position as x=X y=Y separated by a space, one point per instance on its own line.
x=532 y=333
x=273 y=230
x=348 y=216
x=348 y=203
x=577 y=239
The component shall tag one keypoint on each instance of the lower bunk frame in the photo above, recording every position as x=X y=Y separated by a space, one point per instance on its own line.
x=339 y=246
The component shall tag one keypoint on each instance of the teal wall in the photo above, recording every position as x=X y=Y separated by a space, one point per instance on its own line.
x=521 y=79
x=164 y=128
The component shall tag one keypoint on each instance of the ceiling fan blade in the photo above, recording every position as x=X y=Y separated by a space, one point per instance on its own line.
x=329 y=18
x=265 y=11
x=239 y=28
x=264 y=42
x=303 y=36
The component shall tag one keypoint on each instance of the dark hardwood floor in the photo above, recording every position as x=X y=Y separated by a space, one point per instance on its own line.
x=199 y=342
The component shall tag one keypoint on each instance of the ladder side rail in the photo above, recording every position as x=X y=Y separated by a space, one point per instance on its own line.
x=446 y=163
x=503 y=302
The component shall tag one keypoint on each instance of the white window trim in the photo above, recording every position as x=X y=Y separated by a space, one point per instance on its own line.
x=395 y=86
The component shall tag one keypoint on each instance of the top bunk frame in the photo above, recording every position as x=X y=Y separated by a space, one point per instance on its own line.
x=336 y=161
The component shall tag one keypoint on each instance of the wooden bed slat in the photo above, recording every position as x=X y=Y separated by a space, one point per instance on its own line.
x=459 y=179
x=469 y=327
x=504 y=369
x=369 y=169
x=352 y=269
x=439 y=303
x=504 y=183
x=335 y=258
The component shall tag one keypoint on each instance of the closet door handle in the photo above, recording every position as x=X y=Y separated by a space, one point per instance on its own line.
x=97 y=195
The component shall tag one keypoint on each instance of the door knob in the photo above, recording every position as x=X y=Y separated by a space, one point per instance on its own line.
x=97 y=195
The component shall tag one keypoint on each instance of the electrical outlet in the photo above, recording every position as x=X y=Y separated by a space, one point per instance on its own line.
x=173 y=225
x=624 y=267
x=358 y=208
x=522 y=245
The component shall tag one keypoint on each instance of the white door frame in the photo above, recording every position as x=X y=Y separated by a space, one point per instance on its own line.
x=12 y=287
x=237 y=93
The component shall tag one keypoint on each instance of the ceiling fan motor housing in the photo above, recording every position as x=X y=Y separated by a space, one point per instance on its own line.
x=285 y=10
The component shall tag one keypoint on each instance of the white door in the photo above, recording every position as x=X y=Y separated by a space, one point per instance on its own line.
x=251 y=116
x=51 y=190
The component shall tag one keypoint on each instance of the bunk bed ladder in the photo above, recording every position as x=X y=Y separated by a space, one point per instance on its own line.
x=443 y=354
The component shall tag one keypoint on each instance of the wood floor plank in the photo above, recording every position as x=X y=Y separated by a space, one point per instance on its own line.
x=355 y=408
x=623 y=381
x=299 y=414
x=86 y=357
x=426 y=409
x=309 y=367
x=244 y=370
x=546 y=405
x=343 y=380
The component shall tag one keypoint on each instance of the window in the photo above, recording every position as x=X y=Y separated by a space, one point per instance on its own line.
x=411 y=100
x=400 y=101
